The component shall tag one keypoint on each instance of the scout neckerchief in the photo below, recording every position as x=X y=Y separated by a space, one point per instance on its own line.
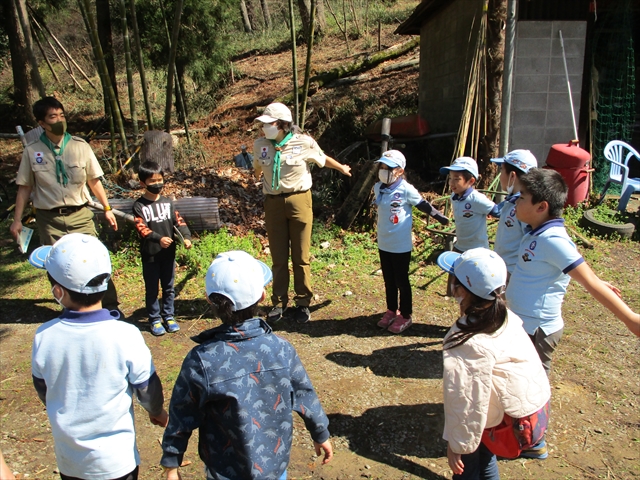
x=275 y=179
x=61 y=172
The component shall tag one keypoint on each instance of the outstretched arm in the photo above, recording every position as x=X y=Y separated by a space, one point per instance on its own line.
x=343 y=169
x=607 y=295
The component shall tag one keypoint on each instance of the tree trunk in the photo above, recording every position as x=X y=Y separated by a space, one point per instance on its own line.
x=103 y=19
x=497 y=16
x=304 y=6
x=171 y=64
x=21 y=8
x=24 y=90
x=127 y=59
x=143 y=78
x=245 y=17
x=265 y=14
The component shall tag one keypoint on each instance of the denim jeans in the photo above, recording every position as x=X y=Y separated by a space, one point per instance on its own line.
x=479 y=465
x=162 y=271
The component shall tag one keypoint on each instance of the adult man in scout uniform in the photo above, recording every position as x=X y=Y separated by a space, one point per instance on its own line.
x=56 y=168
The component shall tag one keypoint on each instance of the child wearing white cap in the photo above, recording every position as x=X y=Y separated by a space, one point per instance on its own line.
x=240 y=385
x=470 y=207
x=86 y=366
x=394 y=198
x=511 y=230
x=496 y=392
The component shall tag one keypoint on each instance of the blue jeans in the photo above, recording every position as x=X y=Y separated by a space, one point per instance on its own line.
x=479 y=465
x=162 y=271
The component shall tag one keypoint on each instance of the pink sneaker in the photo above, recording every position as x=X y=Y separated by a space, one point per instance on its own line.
x=388 y=318
x=400 y=324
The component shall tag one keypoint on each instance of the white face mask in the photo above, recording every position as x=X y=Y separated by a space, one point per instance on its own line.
x=385 y=176
x=270 y=131
x=59 y=300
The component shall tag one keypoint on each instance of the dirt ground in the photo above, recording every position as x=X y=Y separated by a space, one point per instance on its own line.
x=383 y=393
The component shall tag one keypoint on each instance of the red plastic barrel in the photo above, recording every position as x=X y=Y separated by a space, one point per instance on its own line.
x=409 y=126
x=572 y=162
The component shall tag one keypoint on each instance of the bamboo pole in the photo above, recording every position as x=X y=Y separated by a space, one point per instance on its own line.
x=171 y=66
x=143 y=78
x=46 y=59
x=307 y=70
x=104 y=76
x=26 y=31
x=127 y=61
x=294 y=62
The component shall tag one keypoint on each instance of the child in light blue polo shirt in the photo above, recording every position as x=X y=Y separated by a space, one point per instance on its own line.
x=510 y=229
x=547 y=260
x=394 y=198
x=470 y=208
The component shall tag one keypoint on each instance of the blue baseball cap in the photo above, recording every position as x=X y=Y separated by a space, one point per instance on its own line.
x=239 y=277
x=462 y=164
x=393 y=159
x=73 y=261
x=521 y=159
x=480 y=270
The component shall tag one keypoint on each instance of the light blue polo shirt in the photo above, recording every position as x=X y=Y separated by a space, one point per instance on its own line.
x=510 y=232
x=539 y=281
x=395 y=217
x=470 y=212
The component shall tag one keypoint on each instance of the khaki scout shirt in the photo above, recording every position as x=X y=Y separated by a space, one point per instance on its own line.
x=295 y=157
x=38 y=170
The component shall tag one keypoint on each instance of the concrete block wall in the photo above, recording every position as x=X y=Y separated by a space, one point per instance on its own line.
x=446 y=52
x=540 y=109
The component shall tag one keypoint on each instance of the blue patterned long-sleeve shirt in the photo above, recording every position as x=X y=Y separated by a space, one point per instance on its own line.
x=240 y=387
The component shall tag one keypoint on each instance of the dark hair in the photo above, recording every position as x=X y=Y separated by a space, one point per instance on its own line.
x=288 y=127
x=42 y=107
x=223 y=308
x=84 y=299
x=483 y=316
x=148 y=169
x=546 y=185
x=512 y=168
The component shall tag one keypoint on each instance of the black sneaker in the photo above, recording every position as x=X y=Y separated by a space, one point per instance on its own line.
x=302 y=314
x=275 y=314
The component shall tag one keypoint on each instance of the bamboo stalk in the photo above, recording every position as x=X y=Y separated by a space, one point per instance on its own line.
x=143 y=79
x=46 y=59
x=307 y=70
x=294 y=63
x=127 y=61
x=171 y=66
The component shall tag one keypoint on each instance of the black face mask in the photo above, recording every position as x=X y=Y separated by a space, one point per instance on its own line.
x=155 y=188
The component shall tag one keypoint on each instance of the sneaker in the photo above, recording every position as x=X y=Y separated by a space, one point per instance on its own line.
x=400 y=324
x=302 y=314
x=537 y=452
x=275 y=314
x=172 y=325
x=387 y=318
x=157 y=328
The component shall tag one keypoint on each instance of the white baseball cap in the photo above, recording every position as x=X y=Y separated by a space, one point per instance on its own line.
x=522 y=159
x=480 y=270
x=75 y=260
x=275 y=111
x=239 y=277
x=460 y=164
x=393 y=158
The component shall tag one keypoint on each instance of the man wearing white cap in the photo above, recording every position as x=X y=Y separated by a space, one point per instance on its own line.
x=86 y=366
x=284 y=157
x=240 y=385
x=511 y=230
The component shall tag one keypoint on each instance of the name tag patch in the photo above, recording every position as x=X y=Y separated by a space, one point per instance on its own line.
x=297 y=150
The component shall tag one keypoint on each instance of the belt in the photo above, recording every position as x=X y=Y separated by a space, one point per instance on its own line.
x=65 y=210
x=288 y=194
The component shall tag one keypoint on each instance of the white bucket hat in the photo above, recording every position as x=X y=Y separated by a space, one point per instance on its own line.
x=480 y=270
x=522 y=159
x=73 y=261
x=275 y=111
x=239 y=277
x=462 y=164
x=393 y=158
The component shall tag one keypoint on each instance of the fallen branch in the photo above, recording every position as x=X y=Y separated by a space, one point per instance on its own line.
x=401 y=65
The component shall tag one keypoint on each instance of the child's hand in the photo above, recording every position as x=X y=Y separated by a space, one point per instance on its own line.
x=441 y=218
x=172 y=474
x=161 y=420
x=455 y=461
x=165 y=242
x=613 y=288
x=328 y=451
x=187 y=243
